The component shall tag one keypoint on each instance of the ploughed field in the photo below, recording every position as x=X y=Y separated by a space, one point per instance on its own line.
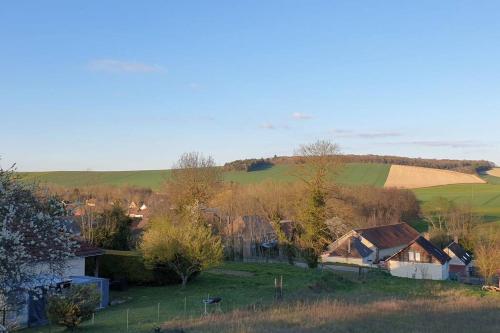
x=403 y=176
x=313 y=301
x=495 y=172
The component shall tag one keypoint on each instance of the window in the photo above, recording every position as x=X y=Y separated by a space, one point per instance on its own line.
x=417 y=256
x=411 y=255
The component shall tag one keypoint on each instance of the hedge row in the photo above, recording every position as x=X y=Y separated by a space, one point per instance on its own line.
x=128 y=265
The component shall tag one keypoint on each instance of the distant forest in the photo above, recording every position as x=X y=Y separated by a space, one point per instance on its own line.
x=466 y=166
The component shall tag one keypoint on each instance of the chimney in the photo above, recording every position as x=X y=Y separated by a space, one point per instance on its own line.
x=426 y=235
x=455 y=239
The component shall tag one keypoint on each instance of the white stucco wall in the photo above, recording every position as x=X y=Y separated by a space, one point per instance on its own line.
x=344 y=260
x=418 y=270
x=76 y=267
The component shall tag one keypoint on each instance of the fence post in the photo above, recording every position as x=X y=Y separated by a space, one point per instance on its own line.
x=158 y=314
x=127 y=318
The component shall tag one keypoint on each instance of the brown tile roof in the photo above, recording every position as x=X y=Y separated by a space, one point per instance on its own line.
x=389 y=236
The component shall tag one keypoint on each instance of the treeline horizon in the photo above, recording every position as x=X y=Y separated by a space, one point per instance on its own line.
x=465 y=166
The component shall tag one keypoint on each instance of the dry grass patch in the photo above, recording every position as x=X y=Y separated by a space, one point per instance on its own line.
x=403 y=176
x=452 y=313
x=495 y=172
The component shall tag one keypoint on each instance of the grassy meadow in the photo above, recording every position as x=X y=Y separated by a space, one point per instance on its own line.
x=338 y=301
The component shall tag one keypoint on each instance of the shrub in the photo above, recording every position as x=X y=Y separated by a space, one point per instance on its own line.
x=311 y=258
x=73 y=305
x=186 y=248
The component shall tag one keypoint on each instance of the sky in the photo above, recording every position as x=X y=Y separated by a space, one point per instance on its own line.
x=129 y=85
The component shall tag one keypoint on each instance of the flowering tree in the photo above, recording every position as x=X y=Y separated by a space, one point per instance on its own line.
x=34 y=241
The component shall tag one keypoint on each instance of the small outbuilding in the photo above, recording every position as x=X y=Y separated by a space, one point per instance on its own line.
x=461 y=260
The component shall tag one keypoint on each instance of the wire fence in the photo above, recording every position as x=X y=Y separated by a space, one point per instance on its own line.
x=148 y=317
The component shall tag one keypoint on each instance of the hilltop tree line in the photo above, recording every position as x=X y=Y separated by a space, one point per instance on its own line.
x=466 y=166
x=249 y=165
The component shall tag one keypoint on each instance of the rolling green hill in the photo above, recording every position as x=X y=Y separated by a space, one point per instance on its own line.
x=351 y=174
x=485 y=198
x=142 y=178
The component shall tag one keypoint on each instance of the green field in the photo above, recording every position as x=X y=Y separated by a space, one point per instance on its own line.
x=251 y=287
x=143 y=178
x=351 y=174
x=484 y=198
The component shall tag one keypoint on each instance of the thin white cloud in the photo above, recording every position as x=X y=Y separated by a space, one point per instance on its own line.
x=119 y=66
x=301 y=116
x=339 y=133
x=449 y=144
x=194 y=86
x=267 y=126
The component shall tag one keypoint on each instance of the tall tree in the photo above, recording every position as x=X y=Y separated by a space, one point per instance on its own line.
x=321 y=161
x=113 y=229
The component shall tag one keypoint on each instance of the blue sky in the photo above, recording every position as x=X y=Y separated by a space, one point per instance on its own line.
x=117 y=85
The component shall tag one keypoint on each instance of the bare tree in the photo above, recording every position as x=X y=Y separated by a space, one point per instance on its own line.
x=448 y=220
x=487 y=253
x=194 y=181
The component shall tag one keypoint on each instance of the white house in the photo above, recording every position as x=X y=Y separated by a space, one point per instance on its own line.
x=461 y=260
x=368 y=246
x=419 y=260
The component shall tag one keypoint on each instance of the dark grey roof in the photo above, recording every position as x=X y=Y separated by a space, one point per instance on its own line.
x=358 y=249
x=430 y=248
x=433 y=250
x=459 y=251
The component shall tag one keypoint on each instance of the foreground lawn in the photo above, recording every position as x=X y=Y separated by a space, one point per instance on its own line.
x=248 y=297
